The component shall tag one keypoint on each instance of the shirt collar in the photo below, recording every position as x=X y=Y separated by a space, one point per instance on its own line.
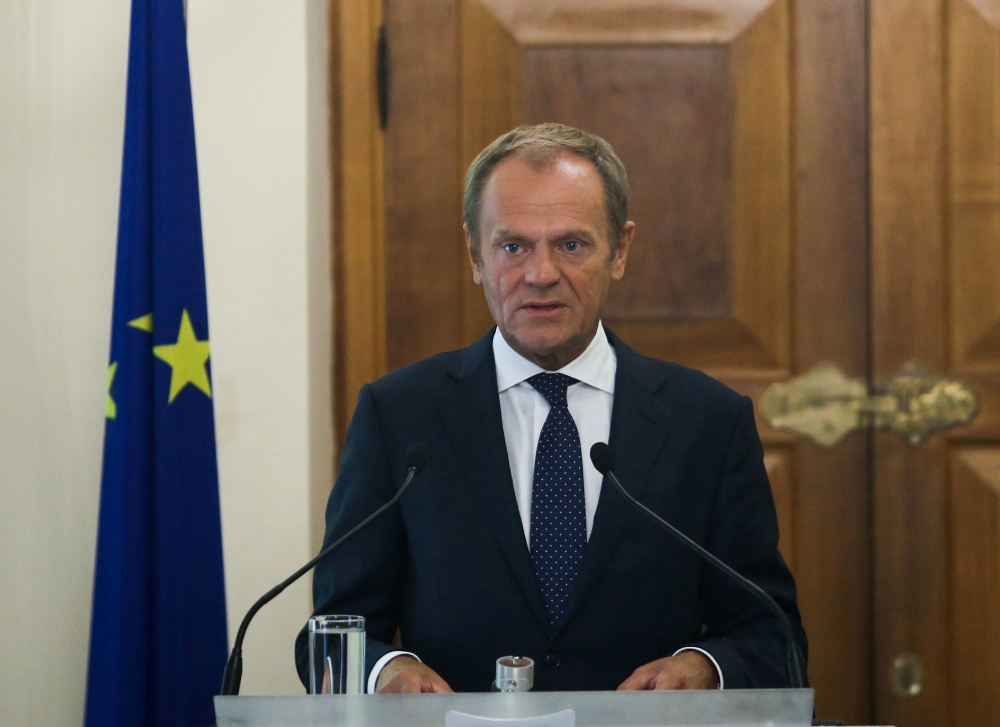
x=595 y=367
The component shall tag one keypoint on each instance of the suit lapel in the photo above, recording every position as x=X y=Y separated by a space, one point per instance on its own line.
x=639 y=428
x=471 y=414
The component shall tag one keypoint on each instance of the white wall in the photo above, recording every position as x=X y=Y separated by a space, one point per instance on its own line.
x=260 y=142
x=258 y=71
x=61 y=82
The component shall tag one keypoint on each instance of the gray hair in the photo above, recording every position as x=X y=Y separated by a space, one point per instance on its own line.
x=540 y=146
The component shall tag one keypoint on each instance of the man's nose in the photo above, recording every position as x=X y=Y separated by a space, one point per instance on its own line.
x=542 y=269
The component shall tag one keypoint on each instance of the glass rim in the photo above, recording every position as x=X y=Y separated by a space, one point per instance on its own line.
x=336 y=621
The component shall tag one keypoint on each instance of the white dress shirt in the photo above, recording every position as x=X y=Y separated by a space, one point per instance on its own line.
x=523 y=410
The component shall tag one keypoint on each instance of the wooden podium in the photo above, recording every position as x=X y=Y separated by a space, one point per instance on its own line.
x=737 y=707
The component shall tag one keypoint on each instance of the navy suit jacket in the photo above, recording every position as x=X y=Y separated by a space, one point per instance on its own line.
x=449 y=567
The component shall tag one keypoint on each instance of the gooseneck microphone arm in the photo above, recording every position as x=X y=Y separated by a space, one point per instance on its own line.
x=603 y=460
x=415 y=459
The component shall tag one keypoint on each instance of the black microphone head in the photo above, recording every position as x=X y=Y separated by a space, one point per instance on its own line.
x=415 y=457
x=602 y=457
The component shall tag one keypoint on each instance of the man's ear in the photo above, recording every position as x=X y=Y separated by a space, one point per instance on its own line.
x=621 y=254
x=477 y=276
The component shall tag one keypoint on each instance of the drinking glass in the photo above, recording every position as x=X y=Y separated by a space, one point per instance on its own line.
x=337 y=655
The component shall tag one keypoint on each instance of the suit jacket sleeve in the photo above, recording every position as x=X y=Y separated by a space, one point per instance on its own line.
x=742 y=635
x=365 y=576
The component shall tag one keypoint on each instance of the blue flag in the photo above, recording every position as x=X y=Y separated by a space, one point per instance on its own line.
x=158 y=633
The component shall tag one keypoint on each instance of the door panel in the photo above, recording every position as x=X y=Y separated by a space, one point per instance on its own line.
x=830 y=323
x=973 y=237
x=974 y=506
x=908 y=322
x=422 y=199
x=972 y=123
x=674 y=99
x=973 y=101
x=936 y=299
x=973 y=107
x=697 y=117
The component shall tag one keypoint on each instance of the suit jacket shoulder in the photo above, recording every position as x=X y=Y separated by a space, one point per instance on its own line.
x=425 y=378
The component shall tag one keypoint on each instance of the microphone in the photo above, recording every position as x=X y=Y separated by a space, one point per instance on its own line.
x=604 y=462
x=415 y=458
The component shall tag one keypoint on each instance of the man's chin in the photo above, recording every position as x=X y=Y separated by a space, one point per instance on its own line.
x=535 y=344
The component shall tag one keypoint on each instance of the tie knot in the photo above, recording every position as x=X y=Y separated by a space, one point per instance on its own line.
x=552 y=387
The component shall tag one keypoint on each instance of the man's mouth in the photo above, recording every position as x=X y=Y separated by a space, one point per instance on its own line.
x=543 y=310
x=541 y=307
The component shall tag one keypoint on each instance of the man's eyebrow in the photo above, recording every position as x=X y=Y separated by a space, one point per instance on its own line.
x=579 y=232
x=503 y=233
x=508 y=235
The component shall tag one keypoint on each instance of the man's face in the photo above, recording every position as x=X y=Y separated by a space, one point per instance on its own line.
x=546 y=262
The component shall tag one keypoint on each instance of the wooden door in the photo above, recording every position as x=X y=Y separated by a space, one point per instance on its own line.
x=813 y=180
x=935 y=236
x=743 y=127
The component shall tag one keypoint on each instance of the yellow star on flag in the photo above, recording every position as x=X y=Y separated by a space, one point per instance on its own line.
x=187 y=358
x=143 y=323
x=110 y=408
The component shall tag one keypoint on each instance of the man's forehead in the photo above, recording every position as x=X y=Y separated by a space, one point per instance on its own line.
x=570 y=185
x=565 y=165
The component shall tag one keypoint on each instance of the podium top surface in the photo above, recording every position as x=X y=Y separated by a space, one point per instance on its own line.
x=731 y=708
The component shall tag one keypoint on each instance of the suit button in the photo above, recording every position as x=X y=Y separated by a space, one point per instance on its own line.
x=552 y=661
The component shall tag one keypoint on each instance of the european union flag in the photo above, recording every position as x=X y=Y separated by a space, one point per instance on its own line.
x=158 y=634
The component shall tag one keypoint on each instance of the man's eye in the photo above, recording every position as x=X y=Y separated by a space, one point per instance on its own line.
x=512 y=247
x=572 y=246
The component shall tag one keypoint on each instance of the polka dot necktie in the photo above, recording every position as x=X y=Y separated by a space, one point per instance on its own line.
x=558 y=509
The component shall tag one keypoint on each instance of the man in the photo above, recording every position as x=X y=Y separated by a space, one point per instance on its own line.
x=508 y=542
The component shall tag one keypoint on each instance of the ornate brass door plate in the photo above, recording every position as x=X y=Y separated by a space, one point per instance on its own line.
x=825 y=405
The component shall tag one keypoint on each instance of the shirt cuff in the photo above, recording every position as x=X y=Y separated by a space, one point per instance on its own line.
x=722 y=680
x=386 y=658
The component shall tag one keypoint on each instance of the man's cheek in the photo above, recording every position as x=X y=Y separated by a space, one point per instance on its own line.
x=506 y=293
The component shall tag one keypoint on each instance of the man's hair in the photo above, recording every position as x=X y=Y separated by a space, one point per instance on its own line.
x=540 y=146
